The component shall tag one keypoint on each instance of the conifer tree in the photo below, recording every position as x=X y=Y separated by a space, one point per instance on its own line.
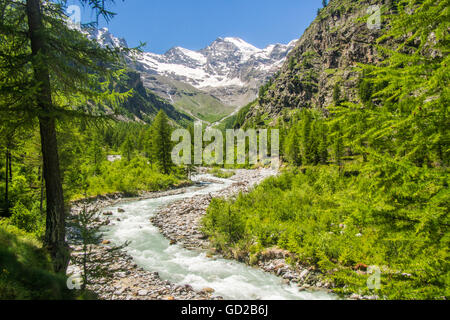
x=338 y=146
x=292 y=147
x=54 y=73
x=323 y=144
x=161 y=143
x=406 y=96
x=127 y=148
x=336 y=94
x=306 y=139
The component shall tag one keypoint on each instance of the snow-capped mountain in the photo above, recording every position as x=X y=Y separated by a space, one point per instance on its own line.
x=228 y=64
x=105 y=38
x=229 y=70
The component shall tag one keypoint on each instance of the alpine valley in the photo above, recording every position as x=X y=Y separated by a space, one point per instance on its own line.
x=209 y=84
x=96 y=204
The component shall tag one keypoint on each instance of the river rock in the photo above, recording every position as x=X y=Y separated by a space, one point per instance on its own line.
x=208 y=290
x=142 y=292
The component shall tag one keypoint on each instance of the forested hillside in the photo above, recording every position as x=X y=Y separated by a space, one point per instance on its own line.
x=365 y=132
x=324 y=60
x=144 y=105
x=75 y=123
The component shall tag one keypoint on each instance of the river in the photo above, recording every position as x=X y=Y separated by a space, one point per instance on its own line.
x=153 y=252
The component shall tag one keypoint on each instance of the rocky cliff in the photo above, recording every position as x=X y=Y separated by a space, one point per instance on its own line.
x=321 y=67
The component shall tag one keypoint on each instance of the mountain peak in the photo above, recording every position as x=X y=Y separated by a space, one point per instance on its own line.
x=229 y=69
x=241 y=44
x=105 y=38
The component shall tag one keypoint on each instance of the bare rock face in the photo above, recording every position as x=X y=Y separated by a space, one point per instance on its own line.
x=325 y=56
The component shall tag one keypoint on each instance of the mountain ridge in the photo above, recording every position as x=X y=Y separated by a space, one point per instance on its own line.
x=227 y=64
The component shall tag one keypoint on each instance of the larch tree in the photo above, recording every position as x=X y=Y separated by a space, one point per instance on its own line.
x=56 y=74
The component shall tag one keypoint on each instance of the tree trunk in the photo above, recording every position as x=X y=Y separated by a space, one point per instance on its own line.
x=6 y=213
x=41 y=202
x=10 y=166
x=55 y=221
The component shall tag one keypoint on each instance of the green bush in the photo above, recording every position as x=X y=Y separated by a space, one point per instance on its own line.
x=29 y=221
x=336 y=220
x=25 y=269
x=219 y=173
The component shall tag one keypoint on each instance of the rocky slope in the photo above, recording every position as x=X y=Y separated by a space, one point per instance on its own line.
x=143 y=105
x=323 y=59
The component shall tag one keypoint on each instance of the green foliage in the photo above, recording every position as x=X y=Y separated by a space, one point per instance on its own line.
x=85 y=168
x=337 y=94
x=161 y=142
x=337 y=219
x=31 y=221
x=306 y=139
x=223 y=174
x=242 y=114
x=292 y=148
x=385 y=201
x=223 y=223
x=25 y=269
x=406 y=97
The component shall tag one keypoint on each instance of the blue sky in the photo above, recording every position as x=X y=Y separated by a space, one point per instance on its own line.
x=194 y=24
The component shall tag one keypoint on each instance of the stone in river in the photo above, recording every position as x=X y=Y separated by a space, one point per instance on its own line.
x=208 y=290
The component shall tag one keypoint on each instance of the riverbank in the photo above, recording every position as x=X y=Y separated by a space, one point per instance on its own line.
x=180 y=222
x=126 y=280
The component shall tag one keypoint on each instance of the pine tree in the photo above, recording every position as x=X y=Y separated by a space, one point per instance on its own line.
x=323 y=144
x=95 y=151
x=405 y=113
x=315 y=142
x=292 y=147
x=306 y=140
x=338 y=146
x=161 y=142
x=127 y=148
x=337 y=94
